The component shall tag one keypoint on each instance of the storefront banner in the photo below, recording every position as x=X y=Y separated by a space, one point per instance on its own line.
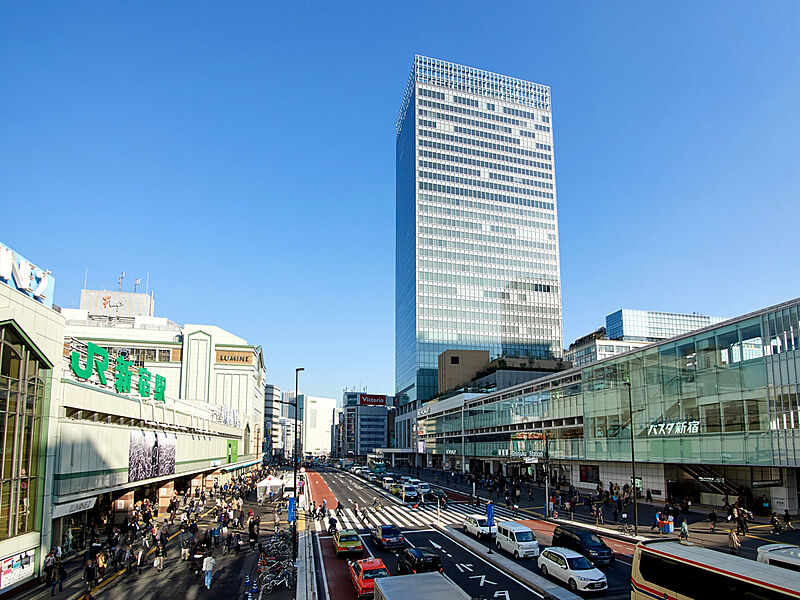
x=16 y=568
x=151 y=454
x=62 y=510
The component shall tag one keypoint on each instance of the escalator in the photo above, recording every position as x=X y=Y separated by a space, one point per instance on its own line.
x=711 y=480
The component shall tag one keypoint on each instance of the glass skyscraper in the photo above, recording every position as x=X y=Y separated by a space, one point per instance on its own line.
x=477 y=264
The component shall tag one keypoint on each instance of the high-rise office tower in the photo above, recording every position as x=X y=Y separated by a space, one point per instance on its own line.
x=477 y=263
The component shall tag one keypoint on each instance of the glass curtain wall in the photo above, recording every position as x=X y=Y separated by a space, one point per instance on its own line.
x=699 y=399
x=23 y=381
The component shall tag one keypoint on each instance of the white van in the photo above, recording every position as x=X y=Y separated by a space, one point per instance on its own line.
x=516 y=539
x=780 y=555
x=387 y=482
x=423 y=486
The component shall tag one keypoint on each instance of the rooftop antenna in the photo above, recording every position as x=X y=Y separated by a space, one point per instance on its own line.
x=136 y=283
x=147 y=284
x=85 y=277
x=121 y=277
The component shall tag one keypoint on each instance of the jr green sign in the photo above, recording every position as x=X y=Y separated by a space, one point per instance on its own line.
x=97 y=362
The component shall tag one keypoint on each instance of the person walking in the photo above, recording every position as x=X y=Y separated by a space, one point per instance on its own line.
x=734 y=543
x=684 y=530
x=208 y=568
x=159 y=561
x=49 y=565
x=712 y=520
x=787 y=520
x=89 y=574
x=59 y=574
x=277 y=521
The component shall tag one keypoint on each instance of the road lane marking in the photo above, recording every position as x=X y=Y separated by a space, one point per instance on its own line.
x=322 y=566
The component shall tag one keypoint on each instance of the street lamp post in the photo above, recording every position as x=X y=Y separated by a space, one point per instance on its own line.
x=633 y=463
x=296 y=495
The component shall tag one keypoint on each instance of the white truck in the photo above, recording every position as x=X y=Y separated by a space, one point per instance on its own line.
x=430 y=586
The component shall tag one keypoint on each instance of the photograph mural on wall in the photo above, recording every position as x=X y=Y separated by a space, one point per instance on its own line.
x=151 y=454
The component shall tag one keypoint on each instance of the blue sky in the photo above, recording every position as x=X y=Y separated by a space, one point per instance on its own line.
x=243 y=155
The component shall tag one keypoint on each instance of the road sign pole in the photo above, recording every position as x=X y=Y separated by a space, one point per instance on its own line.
x=490 y=521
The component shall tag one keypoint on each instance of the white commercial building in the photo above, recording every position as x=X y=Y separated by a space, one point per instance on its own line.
x=316 y=415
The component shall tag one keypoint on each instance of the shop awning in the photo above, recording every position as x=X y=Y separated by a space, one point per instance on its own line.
x=234 y=467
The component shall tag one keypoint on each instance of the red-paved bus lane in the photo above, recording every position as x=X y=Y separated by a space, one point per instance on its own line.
x=335 y=570
x=319 y=489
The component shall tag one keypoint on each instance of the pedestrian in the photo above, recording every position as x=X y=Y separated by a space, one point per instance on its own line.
x=140 y=558
x=684 y=530
x=185 y=538
x=787 y=520
x=656 y=521
x=712 y=521
x=89 y=574
x=277 y=521
x=49 y=565
x=733 y=542
x=208 y=569
x=59 y=574
x=158 y=563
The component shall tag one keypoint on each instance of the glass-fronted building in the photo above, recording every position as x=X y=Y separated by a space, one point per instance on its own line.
x=653 y=326
x=477 y=263
x=714 y=412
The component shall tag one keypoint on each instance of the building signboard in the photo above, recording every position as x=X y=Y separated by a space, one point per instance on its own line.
x=371 y=400
x=22 y=275
x=229 y=357
x=62 y=510
x=451 y=451
x=527 y=435
x=673 y=427
x=97 y=362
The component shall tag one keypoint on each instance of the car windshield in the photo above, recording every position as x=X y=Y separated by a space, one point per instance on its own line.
x=579 y=563
x=410 y=488
x=524 y=536
x=348 y=538
x=375 y=573
x=482 y=522
x=590 y=539
x=391 y=531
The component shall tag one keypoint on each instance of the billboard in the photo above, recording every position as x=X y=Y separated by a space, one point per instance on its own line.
x=372 y=400
x=22 y=275
x=151 y=454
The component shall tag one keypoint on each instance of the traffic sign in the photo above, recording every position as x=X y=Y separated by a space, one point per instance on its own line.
x=292 y=509
x=490 y=514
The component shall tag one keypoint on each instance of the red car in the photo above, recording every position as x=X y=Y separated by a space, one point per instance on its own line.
x=363 y=574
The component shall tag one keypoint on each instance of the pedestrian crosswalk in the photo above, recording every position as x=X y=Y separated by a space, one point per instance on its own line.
x=405 y=516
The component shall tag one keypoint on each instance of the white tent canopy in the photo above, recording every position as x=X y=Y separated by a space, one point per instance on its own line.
x=270 y=484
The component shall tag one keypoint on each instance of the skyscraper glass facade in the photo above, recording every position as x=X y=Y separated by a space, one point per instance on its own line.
x=477 y=230
x=653 y=326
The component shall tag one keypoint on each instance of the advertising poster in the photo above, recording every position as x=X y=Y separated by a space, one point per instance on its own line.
x=16 y=568
x=151 y=454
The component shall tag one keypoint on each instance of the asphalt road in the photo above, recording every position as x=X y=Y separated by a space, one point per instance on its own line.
x=759 y=532
x=469 y=570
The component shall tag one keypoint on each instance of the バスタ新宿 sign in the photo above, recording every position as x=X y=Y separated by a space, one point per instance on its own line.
x=97 y=362
x=22 y=275
x=673 y=427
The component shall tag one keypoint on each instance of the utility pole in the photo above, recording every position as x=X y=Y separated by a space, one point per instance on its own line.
x=633 y=463
x=121 y=277
x=296 y=458
x=546 y=476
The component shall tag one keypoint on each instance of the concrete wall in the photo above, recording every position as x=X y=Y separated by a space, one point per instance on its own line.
x=454 y=375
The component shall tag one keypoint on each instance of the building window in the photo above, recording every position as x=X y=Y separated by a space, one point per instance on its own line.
x=22 y=388
x=454 y=360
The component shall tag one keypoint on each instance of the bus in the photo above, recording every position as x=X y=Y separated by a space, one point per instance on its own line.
x=683 y=571
x=780 y=555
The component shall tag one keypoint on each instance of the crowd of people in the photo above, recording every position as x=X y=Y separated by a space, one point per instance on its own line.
x=144 y=535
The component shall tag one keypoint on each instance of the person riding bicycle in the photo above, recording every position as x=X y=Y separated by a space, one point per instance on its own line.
x=777 y=528
x=376 y=504
x=332 y=525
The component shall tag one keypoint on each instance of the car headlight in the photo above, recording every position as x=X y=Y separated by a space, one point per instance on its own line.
x=593 y=552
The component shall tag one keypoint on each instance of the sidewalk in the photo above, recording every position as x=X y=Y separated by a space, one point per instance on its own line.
x=535 y=507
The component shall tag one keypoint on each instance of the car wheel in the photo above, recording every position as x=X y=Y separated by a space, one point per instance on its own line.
x=573 y=587
x=516 y=554
x=543 y=570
